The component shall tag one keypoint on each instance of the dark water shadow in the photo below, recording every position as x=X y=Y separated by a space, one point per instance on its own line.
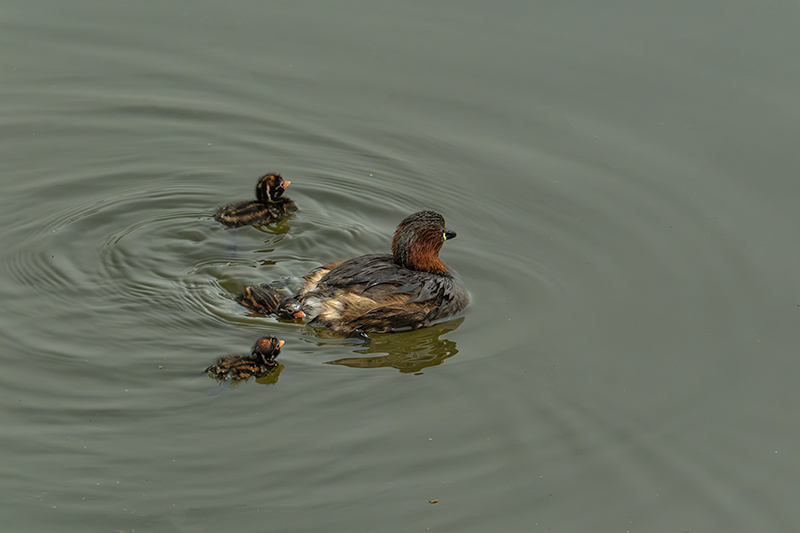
x=268 y=378
x=408 y=352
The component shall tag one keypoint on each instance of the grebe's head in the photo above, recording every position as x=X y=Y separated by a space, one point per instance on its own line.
x=417 y=242
x=290 y=308
x=270 y=187
x=266 y=349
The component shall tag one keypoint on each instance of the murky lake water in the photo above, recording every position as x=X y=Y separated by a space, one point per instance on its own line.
x=623 y=178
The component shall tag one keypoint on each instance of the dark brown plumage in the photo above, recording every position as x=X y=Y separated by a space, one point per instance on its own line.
x=408 y=289
x=260 y=361
x=269 y=206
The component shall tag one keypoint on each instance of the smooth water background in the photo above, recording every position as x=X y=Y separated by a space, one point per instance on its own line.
x=624 y=178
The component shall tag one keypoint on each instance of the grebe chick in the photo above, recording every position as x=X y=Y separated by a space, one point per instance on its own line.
x=266 y=300
x=260 y=361
x=269 y=206
x=407 y=289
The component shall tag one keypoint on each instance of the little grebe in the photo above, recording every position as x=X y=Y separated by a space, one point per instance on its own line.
x=269 y=206
x=407 y=289
x=260 y=361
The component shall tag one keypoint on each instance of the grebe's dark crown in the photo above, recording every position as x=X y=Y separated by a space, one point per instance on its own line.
x=423 y=219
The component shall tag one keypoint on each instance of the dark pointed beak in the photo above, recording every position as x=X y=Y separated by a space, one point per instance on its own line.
x=449 y=234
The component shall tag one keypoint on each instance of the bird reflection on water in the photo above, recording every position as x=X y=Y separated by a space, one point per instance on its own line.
x=408 y=352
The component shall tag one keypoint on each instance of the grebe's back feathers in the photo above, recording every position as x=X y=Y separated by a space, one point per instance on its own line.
x=379 y=269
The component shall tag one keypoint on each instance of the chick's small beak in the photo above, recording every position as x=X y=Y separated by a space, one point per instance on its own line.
x=449 y=234
x=286 y=183
x=280 y=343
x=299 y=314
